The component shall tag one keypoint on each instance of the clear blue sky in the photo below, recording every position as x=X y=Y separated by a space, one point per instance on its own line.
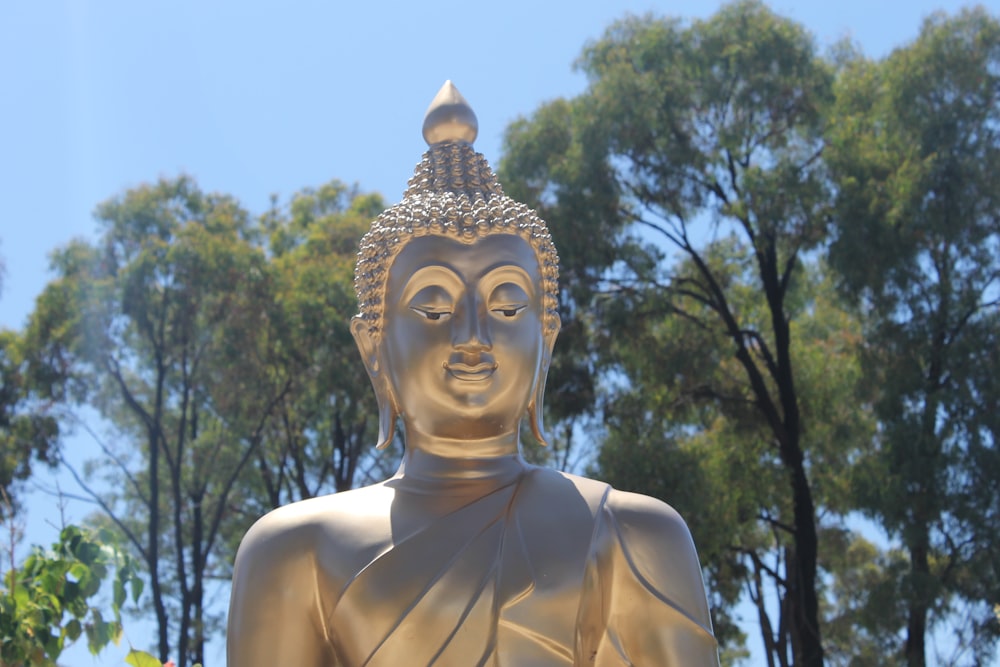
x=254 y=100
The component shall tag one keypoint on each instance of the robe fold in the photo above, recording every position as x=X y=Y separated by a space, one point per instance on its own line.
x=548 y=570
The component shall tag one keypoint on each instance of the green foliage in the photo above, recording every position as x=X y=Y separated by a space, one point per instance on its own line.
x=692 y=187
x=687 y=431
x=687 y=178
x=865 y=606
x=550 y=163
x=323 y=429
x=48 y=602
x=28 y=430
x=216 y=348
x=142 y=659
x=914 y=145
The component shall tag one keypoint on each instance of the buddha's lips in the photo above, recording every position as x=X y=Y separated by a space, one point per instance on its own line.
x=471 y=373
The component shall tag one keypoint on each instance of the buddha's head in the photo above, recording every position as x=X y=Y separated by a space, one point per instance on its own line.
x=457 y=288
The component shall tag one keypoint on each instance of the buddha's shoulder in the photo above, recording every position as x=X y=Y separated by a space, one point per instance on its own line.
x=318 y=524
x=642 y=517
x=562 y=485
x=658 y=549
x=641 y=522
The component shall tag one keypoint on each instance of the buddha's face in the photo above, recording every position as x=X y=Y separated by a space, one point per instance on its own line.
x=462 y=342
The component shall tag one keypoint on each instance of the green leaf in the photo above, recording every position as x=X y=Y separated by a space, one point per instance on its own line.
x=137 y=585
x=141 y=659
x=79 y=571
x=73 y=630
x=119 y=593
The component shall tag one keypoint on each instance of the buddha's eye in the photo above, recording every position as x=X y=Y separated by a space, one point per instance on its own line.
x=429 y=314
x=510 y=311
x=432 y=302
x=508 y=299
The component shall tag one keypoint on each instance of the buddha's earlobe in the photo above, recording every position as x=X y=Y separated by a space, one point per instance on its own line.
x=535 y=405
x=387 y=412
x=535 y=416
x=386 y=423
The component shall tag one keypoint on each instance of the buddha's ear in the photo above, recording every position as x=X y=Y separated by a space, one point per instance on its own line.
x=371 y=354
x=366 y=345
x=535 y=406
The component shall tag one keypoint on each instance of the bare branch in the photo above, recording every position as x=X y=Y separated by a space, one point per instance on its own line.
x=774 y=523
x=133 y=482
x=96 y=498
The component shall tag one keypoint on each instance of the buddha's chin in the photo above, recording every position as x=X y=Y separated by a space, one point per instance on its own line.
x=474 y=408
x=471 y=399
x=470 y=424
x=465 y=410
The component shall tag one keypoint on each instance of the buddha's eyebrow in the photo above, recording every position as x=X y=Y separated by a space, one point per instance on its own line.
x=508 y=273
x=435 y=274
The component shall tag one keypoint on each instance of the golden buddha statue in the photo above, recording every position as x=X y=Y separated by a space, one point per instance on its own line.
x=468 y=555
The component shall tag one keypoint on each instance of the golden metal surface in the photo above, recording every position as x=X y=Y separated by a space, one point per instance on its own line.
x=468 y=555
x=450 y=118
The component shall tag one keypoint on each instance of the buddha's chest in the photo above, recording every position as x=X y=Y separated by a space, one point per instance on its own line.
x=498 y=586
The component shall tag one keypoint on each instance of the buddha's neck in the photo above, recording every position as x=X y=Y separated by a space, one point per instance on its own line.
x=476 y=466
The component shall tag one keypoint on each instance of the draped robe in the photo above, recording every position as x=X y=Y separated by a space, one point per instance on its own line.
x=547 y=569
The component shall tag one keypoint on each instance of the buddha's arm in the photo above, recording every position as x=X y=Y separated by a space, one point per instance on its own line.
x=662 y=617
x=275 y=616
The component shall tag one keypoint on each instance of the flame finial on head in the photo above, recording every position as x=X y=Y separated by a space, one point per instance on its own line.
x=450 y=118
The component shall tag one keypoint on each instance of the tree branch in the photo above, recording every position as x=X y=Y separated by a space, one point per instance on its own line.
x=107 y=510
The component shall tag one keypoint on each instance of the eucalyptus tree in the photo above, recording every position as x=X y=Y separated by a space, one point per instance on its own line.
x=321 y=437
x=213 y=346
x=29 y=429
x=915 y=152
x=152 y=323
x=688 y=173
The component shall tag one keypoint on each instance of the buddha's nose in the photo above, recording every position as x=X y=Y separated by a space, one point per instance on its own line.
x=471 y=328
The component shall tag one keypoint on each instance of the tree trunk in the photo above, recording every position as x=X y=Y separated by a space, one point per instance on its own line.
x=198 y=590
x=153 y=551
x=807 y=646
x=153 y=534
x=180 y=566
x=766 y=631
x=806 y=641
x=916 y=623
x=924 y=458
x=917 y=534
